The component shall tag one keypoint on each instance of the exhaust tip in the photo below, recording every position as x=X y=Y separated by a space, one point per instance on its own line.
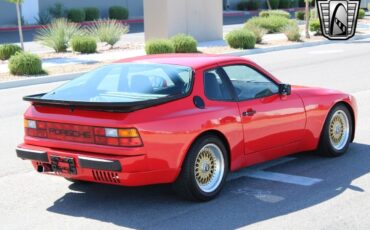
x=40 y=168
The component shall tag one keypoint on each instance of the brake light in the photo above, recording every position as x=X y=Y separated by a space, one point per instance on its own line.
x=128 y=137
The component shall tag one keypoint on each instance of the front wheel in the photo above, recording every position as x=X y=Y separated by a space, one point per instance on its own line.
x=337 y=132
x=204 y=170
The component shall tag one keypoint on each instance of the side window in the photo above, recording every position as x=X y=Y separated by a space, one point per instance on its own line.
x=249 y=83
x=214 y=87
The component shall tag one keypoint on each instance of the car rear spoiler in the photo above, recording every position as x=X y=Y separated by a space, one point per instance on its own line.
x=37 y=99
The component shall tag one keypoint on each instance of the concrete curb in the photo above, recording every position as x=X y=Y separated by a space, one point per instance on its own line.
x=38 y=80
x=295 y=46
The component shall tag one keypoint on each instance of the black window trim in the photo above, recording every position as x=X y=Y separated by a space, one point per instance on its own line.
x=233 y=88
x=224 y=79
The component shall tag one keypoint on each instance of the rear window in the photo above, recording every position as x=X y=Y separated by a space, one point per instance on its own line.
x=128 y=82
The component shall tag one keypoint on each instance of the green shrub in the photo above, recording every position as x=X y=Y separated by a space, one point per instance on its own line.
x=301 y=3
x=361 y=14
x=83 y=44
x=118 y=13
x=58 y=34
x=257 y=31
x=292 y=31
x=8 y=50
x=248 y=5
x=315 y=26
x=57 y=11
x=299 y=15
x=109 y=31
x=241 y=39
x=160 y=46
x=184 y=43
x=274 y=4
x=284 y=4
x=76 y=15
x=92 y=13
x=240 y=6
x=272 y=24
x=25 y=64
x=281 y=13
x=252 y=4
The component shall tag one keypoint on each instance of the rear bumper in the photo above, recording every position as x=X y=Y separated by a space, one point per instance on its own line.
x=101 y=168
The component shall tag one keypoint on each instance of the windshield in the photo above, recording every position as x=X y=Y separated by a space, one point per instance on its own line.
x=127 y=82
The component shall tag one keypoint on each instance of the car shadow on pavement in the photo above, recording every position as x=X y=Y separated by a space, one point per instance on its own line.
x=243 y=201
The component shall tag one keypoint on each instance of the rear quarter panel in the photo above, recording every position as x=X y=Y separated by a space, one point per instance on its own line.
x=318 y=102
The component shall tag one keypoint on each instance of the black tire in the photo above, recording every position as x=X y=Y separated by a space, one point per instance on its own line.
x=186 y=184
x=326 y=148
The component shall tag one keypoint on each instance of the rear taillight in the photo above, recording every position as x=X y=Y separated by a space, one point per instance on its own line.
x=127 y=137
x=35 y=128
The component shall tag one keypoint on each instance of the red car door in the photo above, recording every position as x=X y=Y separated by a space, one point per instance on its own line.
x=270 y=121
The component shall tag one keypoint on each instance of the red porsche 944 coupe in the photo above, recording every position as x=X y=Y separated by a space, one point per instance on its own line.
x=181 y=119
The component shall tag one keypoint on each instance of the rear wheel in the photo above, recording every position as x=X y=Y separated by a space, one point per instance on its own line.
x=204 y=170
x=337 y=132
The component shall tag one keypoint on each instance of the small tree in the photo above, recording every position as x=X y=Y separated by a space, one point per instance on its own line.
x=18 y=7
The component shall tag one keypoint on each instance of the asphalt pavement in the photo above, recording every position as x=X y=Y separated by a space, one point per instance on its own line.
x=302 y=191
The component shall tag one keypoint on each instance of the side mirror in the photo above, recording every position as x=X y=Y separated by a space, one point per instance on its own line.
x=285 y=89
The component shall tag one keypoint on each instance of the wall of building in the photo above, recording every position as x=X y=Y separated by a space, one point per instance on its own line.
x=8 y=13
x=183 y=16
x=135 y=7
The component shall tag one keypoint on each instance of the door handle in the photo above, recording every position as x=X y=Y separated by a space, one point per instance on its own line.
x=249 y=112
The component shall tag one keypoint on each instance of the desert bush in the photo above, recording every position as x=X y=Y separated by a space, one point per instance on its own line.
x=258 y=31
x=76 y=15
x=109 y=31
x=315 y=26
x=57 y=11
x=361 y=14
x=292 y=31
x=8 y=50
x=58 y=34
x=272 y=24
x=118 y=13
x=83 y=44
x=92 y=13
x=241 y=39
x=184 y=43
x=25 y=64
x=281 y=13
x=299 y=15
x=160 y=46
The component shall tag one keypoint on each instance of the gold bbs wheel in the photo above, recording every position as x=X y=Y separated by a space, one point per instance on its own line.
x=339 y=130
x=209 y=168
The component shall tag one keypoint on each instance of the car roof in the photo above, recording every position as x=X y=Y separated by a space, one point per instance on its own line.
x=195 y=61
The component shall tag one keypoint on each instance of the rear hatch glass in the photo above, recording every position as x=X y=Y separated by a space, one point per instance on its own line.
x=130 y=82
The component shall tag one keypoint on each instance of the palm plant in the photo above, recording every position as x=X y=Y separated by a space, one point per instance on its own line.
x=109 y=31
x=19 y=19
x=58 y=33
